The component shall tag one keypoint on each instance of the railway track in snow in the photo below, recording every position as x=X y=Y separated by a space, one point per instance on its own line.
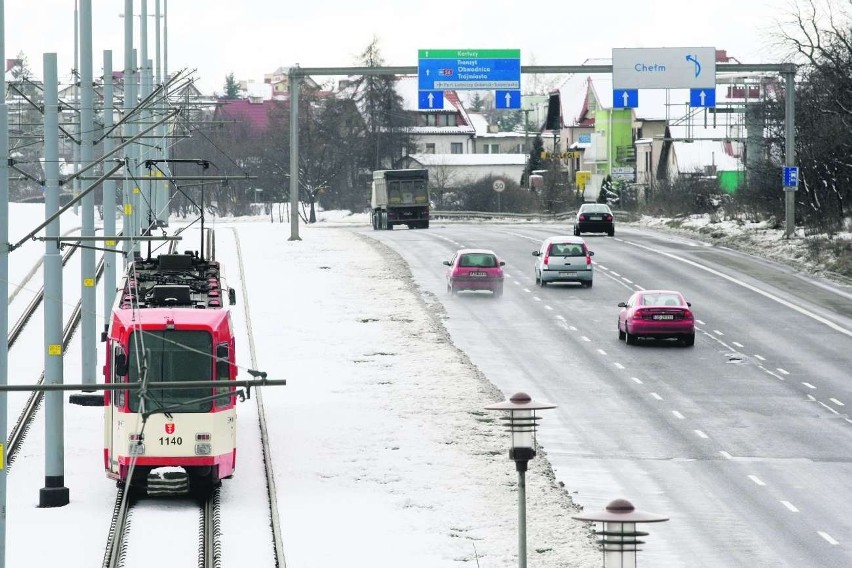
x=19 y=429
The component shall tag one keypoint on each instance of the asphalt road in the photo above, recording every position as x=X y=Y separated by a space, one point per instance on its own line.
x=744 y=440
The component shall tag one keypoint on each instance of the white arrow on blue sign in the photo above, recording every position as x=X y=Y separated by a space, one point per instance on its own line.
x=702 y=97
x=430 y=99
x=625 y=98
x=507 y=99
x=791 y=176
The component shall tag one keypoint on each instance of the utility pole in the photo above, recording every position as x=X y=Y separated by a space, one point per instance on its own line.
x=4 y=282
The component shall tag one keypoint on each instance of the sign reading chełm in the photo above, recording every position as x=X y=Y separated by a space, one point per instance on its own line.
x=471 y=69
x=664 y=68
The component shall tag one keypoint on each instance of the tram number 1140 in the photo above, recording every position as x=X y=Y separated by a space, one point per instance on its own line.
x=171 y=441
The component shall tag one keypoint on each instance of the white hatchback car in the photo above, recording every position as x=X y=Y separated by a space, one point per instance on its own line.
x=564 y=259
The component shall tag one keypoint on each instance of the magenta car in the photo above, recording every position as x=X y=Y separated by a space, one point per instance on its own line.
x=475 y=269
x=658 y=314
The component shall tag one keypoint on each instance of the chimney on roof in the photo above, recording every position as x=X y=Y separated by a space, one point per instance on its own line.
x=722 y=56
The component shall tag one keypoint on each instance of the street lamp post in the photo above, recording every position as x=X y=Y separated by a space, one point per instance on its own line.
x=619 y=537
x=522 y=425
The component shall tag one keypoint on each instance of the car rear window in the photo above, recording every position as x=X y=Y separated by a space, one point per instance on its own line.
x=482 y=260
x=660 y=300
x=566 y=249
x=594 y=209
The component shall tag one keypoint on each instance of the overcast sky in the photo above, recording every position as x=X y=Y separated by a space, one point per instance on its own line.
x=253 y=37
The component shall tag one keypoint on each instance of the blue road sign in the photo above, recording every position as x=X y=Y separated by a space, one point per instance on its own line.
x=702 y=97
x=472 y=69
x=791 y=176
x=507 y=99
x=625 y=98
x=430 y=99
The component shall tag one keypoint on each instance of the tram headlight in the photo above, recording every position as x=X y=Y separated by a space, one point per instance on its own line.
x=202 y=449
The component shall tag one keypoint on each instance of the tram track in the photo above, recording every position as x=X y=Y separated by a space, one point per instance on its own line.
x=272 y=492
x=129 y=512
x=19 y=429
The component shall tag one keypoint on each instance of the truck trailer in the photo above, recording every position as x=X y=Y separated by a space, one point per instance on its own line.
x=400 y=197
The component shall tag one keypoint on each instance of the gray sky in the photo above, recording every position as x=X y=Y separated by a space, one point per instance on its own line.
x=253 y=37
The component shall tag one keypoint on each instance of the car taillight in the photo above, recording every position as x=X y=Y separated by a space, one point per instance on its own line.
x=608 y=217
x=687 y=314
x=546 y=259
x=582 y=217
x=637 y=315
x=588 y=258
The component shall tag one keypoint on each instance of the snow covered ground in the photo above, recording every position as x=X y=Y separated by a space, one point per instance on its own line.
x=383 y=453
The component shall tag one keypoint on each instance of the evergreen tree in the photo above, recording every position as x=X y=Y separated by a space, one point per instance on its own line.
x=232 y=87
x=386 y=137
x=535 y=161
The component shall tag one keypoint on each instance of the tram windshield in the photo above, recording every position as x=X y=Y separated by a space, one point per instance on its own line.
x=171 y=355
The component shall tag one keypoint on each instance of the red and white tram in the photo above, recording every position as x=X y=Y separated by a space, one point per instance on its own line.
x=171 y=322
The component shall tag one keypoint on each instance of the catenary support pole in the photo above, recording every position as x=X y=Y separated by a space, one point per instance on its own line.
x=54 y=493
x=88 y=279
x=127 y=76
x=110 y=260
x=4 y=283
x=295 y=82
x=790 y=146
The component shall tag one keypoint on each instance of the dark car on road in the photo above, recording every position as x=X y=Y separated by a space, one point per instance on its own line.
x=594 y=218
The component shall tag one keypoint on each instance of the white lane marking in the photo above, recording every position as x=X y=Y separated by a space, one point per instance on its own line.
x=584 y=338
x=636 y=380
x=548 y=308
x=678 y=415
x=701 y=434
x=638 y=287
x=738 y=344
x=614 y=273
x=768 y=372
x=527 y=290
x=837 y=402
x=572 y=328
x=809 y=385
x=830 y=409
x=536 y=298
x=759 y=357
x=618 y=365
x=757 y=480
x=782 y=371
x=601 y=266
x=828 y=538
x=754 y=289
x=560 y=317
x=627 y=280
x=655 y=395
x=717 y=332
x=726 y=455
x=790 y=506
x=601 y=351
x=699 y=322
